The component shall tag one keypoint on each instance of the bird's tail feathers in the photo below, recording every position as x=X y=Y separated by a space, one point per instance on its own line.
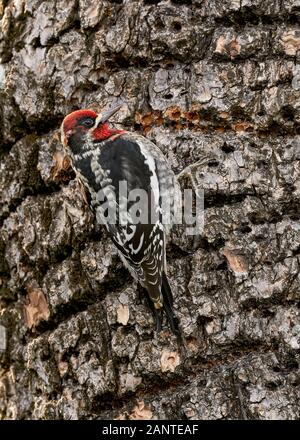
x=160 y=301
x=168 y=304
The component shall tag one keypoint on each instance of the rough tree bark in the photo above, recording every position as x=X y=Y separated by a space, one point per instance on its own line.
x=200 y=78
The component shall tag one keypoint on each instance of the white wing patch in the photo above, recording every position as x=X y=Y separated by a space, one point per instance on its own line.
x=136 y=251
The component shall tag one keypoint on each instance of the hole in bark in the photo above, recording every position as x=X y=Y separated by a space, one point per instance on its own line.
x=266 y=19
x=117 y=61
x=275 y=218
x=250 y=16
x=122 y=61
x=45 y=355
x=293 y=19
x=53 y=395
x=227 y=148
x=176 y=25
x=141 y=62
x=295 y=217
x=259 y=238
x=168 y=96
x=159 y=24
x=106 y=401
x=176 y=114
x=203 y=243
x=218 y=243
x=169 y=123
x=88 y=355
x=90 y=87
x=245 y=229
x=291 y=365
x=296 y=252
x=170 y=66
x=209 y=114
x=36 y=42
x=267 y=313
x=272 y=385
x=202 y=383
x=223 y=199
x=61 y=253
x=241 y=18
x=213 y=163
x=255 y=219
x=222 y=266
x=288 y=113
x=76 y=24
x=237 y=112
x=152 y=2
x=202 y=320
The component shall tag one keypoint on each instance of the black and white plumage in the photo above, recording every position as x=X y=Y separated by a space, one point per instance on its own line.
x=102 y=158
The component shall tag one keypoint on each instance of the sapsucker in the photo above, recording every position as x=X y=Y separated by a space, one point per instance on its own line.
x=104 y=159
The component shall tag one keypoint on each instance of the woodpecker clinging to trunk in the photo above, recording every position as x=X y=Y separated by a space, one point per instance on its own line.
x=104 y=159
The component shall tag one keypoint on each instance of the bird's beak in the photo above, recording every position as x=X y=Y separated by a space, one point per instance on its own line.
x=103 y=117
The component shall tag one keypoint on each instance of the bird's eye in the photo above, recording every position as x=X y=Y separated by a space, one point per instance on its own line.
x=88 y=122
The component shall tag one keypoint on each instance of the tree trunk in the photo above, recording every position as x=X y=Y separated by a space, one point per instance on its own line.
x=203 y=79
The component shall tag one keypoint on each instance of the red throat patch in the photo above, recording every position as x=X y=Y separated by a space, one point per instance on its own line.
x=104 y=132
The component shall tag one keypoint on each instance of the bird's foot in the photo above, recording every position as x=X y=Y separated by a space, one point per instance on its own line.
x=189 y=171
